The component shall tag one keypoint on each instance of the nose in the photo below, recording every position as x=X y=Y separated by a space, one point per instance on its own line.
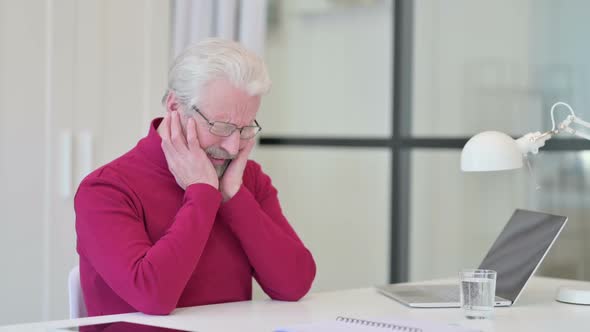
x=231 y=143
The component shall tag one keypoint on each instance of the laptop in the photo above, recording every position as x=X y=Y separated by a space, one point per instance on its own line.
x=515 y=256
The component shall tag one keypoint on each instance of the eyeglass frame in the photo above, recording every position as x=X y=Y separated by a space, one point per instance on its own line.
x=212 y=123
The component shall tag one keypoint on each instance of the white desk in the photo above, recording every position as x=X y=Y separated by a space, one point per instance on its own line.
x=536 y=310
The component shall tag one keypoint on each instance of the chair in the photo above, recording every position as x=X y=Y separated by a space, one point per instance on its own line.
x=76 y=297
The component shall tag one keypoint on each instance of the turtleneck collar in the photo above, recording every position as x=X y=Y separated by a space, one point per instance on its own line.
x=151 y=145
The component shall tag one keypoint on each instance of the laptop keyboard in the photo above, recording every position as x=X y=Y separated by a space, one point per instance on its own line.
x=428 y=293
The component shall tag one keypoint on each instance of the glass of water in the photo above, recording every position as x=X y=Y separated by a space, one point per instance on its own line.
x=478 y=293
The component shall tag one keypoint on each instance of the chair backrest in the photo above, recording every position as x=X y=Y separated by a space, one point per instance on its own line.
x=77 y=306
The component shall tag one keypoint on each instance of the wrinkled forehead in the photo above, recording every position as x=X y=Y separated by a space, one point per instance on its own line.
x=222 y=101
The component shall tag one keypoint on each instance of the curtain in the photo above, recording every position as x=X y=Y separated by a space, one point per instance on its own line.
x=240 y=20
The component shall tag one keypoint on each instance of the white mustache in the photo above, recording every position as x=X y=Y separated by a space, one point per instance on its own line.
x=218 y=153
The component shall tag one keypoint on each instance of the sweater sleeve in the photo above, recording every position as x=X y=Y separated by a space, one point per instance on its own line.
x=112 y=237
x=282 y=265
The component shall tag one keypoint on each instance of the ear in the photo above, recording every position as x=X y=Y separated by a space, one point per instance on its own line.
x=172 y=102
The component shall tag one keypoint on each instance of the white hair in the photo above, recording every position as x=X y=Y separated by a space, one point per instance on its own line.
x=212 y=59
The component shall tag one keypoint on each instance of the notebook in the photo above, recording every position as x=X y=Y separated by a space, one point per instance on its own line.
x=375 y=325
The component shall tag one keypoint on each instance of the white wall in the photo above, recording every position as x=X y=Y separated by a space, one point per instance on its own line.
x=331 y=69
x=22 y=159
x=472 y=73
x=472 y=67
x=68 y=68
x=330 y=63
x=337 y=201
x=562 y=59
x=496 y=65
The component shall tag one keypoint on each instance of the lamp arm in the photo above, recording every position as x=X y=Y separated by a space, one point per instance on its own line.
x=554 y=107
x=565 y=126
x=531 y=142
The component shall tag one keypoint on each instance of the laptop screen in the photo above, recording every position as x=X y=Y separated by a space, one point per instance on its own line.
x=519 y=249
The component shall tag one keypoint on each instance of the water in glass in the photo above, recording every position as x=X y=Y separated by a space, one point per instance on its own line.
x=477 y=297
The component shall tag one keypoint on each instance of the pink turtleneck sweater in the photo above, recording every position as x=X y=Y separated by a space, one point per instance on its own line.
x=147 y=245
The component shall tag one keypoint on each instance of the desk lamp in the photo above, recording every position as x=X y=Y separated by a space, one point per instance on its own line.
x=496 y=151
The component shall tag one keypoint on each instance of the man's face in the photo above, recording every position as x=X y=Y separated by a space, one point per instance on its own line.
x=221 y=101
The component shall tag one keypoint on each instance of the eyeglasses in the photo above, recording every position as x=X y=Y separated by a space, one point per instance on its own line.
x=226 y=129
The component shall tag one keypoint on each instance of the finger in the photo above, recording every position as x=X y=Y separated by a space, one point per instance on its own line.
x=239 y=163
x=169 y=153
x=165 y=125
x=250 y=146
x=245 y=153
x=191 y=135
x=165 y=131
x=176 y=134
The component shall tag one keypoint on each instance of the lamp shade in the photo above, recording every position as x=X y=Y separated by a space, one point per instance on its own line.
x=490 y=151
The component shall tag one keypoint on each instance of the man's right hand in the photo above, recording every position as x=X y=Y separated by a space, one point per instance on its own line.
x=186 y=159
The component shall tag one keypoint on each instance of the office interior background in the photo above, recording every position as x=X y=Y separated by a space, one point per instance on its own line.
x=372 y=101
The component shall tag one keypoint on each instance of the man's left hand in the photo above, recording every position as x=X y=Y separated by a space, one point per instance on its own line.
x=231 y=181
